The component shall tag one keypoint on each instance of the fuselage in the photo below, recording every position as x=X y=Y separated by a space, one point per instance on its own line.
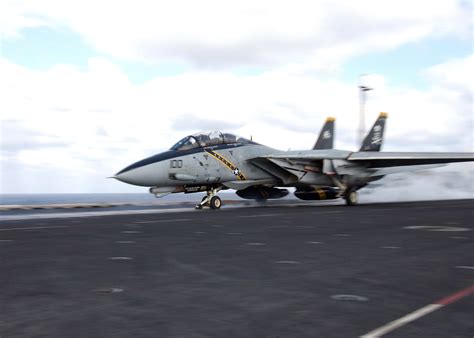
x=203 y=161
x=201 y=165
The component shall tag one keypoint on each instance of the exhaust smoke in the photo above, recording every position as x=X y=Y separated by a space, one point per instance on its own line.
x=455 y=181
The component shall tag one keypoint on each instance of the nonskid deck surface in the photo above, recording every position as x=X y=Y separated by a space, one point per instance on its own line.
x=270 y=271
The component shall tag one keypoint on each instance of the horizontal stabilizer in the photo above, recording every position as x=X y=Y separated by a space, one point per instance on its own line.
x=406 y=169
x=395 y=159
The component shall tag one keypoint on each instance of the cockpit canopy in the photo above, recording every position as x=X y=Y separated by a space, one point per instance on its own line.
x=208 y=139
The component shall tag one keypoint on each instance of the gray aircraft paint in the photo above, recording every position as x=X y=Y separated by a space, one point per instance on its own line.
x=242 y=164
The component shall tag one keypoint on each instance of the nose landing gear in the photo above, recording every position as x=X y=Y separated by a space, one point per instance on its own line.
x=211 y=200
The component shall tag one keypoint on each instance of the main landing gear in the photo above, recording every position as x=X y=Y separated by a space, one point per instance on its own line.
x=211 y=200
x=347 y=192
x=351 y=196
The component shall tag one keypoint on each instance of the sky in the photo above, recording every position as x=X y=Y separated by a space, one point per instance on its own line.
x=88 y=87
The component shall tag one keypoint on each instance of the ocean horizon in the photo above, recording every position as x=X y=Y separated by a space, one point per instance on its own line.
x=39 y=198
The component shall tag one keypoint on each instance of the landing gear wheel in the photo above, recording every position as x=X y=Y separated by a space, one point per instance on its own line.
x=352 y=197
x=215 y=202
x=211 y=200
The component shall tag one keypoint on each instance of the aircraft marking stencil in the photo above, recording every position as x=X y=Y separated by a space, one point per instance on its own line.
x=226 y=163
x=327 y=134
x=377 y=137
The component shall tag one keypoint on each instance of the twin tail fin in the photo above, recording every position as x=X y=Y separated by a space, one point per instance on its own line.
x=374 y=139
x=326 y=136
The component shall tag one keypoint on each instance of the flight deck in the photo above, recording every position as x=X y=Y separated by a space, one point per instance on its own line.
x=286 y=270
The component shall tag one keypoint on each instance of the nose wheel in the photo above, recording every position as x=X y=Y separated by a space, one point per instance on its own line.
x=211 y=200
x=215 y=202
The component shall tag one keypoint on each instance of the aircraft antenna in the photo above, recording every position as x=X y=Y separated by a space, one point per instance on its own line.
x=362 y=99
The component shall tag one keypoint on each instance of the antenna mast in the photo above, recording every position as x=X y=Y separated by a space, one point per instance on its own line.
x=362 y=99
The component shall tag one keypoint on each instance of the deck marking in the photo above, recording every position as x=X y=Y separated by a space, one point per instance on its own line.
x=163 y=221
x=261 y=215
x=108 y=290
x=287 y=262
x=255 y=243
x=314 y=242
x=35 y=228
x=390 y=247
x=351 y=298
x=465 y=267
x=125 y=242
x=456 y=296
x=131 y=232
x=326 y=212
x=16 y=218
x=441 y=228
x=393 y=325
x=120 y=258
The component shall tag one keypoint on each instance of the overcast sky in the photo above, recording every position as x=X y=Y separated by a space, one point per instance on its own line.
x=88 y=87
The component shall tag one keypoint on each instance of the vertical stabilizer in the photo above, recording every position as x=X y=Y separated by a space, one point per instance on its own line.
x=326 y=136
x=374 y=139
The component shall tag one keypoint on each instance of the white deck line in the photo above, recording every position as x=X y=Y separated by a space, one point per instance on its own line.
x=36 y=228
x=92 y=214
x=402 y=321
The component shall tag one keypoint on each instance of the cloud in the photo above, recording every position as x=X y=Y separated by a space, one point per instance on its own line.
x=189 y=122
x=16 y=136
x=216 y=35
x=85 y=124
x=451 y=75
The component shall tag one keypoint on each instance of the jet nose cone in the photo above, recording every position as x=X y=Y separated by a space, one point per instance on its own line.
x=129 y=176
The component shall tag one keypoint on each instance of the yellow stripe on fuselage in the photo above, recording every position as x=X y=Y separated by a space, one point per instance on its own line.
x=321 y=193
x=227 y=163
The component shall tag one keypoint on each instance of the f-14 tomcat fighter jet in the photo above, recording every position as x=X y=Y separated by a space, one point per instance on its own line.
x=215 y=161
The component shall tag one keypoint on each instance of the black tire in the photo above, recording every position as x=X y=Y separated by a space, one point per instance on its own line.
x=215 y=202
x=352 y=197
